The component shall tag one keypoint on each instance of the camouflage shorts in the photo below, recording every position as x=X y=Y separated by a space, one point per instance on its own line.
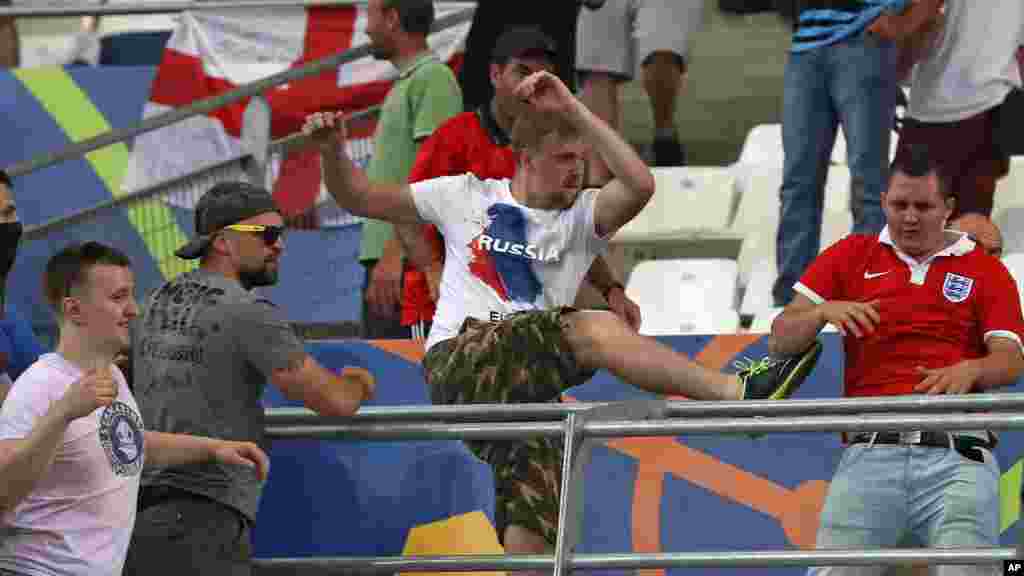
x=524 y=358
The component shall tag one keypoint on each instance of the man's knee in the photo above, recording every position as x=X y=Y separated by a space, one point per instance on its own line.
x=520 y=540
x=590 y=333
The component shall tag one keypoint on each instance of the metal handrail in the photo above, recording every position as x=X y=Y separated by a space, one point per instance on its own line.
x=87 y=9
x=415 y=423
x=79 y=149
x=673 y=409
x=722 y=559
x=667 y=427
x=39 y=231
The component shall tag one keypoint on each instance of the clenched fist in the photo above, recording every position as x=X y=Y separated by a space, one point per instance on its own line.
x=96 y=389
x=325 y=128
x=362 y=377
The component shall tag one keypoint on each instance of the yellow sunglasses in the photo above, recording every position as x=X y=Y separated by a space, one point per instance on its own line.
x=270 y=234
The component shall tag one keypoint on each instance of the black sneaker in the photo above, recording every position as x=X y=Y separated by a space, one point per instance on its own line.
x=668 y=152
x=777 y=378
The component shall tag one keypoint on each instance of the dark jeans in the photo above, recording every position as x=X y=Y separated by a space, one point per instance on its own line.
x=179 y=533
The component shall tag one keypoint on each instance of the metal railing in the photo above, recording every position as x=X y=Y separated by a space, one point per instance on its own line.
x=147 y=206
x=63 y=10
x=570 y=421
x=252 y=89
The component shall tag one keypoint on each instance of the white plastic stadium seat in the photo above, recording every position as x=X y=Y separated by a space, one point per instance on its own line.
x=763 y=145
x=692 y=322
x=757 y=297
x=1010 y=189
x=1015 y=263
x=674 y=295
x=686 y=199
x=1010 y=221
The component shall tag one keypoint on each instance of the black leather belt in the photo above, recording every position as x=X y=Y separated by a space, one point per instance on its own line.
x=967 y=446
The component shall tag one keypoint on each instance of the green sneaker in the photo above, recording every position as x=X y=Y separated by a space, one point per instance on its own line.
x=777 y=378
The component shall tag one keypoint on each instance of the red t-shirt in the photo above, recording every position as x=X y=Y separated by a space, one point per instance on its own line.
x=459 y=146
x=933 y=314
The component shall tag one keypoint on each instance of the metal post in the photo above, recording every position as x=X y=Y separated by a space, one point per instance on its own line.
x=256 y=139
x=569 y=446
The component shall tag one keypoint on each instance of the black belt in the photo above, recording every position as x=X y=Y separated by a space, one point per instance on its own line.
x=967 y=446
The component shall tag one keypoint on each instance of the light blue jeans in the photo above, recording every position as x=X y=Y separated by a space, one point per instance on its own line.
x=884 y=494
x=853 y=84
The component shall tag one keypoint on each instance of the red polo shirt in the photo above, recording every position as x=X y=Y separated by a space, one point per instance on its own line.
x=470 y=142
x=933 y=314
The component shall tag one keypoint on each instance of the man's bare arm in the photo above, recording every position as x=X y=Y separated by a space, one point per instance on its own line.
x=24 y=462
x=1002 y=366
x=796 y=328
x=633 y=186
x=323 y=391
x=349 y=185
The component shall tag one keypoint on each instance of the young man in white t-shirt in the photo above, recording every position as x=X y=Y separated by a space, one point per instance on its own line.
x=72 y=443
x=516 y=252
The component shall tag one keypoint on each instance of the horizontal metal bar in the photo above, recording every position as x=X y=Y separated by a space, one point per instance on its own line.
x=792 y=424
x=296 y=140
x=675 y=409
x=79 y=149
x=419 y=430
x=672 y=427
x=39 y=231
x=723 y=559
x=95 y=9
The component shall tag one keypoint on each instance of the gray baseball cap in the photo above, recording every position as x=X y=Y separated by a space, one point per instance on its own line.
x=225 y=204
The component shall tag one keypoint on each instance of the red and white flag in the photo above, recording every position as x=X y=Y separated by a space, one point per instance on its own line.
x=211 y=52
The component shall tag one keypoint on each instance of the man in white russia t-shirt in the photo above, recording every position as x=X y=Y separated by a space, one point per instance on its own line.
x=516 y=252
x=72 y=443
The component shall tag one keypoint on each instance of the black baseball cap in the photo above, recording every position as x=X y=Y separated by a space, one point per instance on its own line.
x=225 y=204
x=523 y=41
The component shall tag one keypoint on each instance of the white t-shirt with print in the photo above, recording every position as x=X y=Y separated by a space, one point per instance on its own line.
x=501 y=256
x=78 y=519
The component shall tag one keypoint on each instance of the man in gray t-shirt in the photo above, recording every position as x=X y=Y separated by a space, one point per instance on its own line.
x=203 y=350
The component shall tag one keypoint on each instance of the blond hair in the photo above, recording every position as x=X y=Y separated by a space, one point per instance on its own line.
x=533 y=131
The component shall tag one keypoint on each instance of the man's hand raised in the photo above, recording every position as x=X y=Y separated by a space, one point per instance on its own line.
x=326 y=129
x=95 y=389
x=545 y=93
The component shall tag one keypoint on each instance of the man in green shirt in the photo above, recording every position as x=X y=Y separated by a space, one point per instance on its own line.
x=421 y=99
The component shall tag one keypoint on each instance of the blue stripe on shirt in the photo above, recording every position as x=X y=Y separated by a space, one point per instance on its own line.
x=847 y=24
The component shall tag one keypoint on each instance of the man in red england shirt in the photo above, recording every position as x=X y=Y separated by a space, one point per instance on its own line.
x=478 y=142
x=922 y=310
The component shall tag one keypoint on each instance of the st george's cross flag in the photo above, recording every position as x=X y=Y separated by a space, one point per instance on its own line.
x=213 y=51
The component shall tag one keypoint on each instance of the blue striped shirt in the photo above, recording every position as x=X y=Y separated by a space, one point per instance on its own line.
x=818 y=27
